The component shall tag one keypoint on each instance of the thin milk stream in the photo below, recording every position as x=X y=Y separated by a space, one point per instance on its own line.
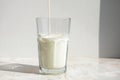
x=49 y=15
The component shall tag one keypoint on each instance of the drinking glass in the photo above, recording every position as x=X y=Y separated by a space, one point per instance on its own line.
x=53 y=37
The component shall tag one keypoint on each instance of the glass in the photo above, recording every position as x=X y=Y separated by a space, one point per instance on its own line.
x=53 y=37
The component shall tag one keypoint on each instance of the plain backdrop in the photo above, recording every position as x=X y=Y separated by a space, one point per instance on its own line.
x=18 y=26
x=109 y=29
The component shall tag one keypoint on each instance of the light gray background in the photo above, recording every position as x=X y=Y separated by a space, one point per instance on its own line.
x=18 y=26
x=110 y=28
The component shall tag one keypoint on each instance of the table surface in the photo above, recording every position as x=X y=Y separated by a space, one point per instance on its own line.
x=78 y=69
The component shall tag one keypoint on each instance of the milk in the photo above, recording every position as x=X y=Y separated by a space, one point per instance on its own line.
x=52 y=51
x=49 y=16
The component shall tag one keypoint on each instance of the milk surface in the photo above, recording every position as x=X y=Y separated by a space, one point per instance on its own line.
x=53 y=51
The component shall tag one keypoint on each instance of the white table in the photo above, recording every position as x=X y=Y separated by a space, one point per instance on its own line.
x=78 y=69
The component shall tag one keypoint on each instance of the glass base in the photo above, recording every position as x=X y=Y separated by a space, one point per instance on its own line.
x=55 y=71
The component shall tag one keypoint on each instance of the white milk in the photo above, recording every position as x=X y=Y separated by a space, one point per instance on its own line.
x=53 y=51
x=49 y=16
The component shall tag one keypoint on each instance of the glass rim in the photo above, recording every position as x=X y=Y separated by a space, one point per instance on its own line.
x=53 y=18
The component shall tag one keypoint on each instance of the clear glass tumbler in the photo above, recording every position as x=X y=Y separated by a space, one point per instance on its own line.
x=53 y=37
